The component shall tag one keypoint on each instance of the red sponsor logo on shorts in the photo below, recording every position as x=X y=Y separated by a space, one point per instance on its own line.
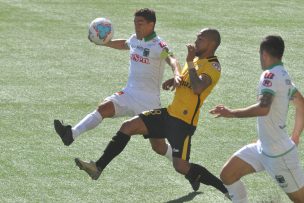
x=119 y=93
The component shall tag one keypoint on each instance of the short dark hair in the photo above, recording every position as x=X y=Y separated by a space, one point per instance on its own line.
x=273 y=45
x=212 y=34
x=148 y=14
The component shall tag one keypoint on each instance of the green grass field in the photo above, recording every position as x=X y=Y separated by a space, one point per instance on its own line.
x=48 y=70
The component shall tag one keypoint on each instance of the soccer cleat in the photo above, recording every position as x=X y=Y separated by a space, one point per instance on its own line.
x=195 y=185
x=64 y=131
x=89 y=167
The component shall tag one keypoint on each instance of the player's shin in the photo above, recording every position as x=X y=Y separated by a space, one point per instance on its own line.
x=201 y=174
x=87 y=123
x=114 y=148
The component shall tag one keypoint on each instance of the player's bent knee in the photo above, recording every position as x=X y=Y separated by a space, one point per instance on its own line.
x=181 y=167
x=133 y=126
x=228 y=177
x=106 y=109
x=158 y=146
x=158 y=149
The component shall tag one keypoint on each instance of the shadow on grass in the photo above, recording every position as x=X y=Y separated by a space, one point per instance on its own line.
x=185 y=198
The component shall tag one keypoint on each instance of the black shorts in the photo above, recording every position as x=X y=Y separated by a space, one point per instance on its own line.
x=161 y=125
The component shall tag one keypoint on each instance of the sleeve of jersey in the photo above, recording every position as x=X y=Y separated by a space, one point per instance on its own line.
x=165 y=51
x=269 y=83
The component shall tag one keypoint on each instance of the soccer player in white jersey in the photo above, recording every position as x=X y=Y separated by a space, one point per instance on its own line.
x=274 y=151
x=148 y=55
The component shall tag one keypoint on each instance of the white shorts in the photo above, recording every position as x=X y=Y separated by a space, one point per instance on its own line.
x=285 y=169
x=127 y=105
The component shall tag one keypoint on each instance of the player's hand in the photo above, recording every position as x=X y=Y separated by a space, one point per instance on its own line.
x=177 y=81
x=191 y=52
x=295 y=139
x=221 y=111
x=168 y=84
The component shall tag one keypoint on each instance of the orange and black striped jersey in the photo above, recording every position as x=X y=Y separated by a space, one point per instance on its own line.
x=186 y=105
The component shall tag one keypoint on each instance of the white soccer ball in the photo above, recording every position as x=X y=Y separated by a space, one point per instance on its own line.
x=100 y=31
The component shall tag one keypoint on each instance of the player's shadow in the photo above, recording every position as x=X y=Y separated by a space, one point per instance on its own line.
x=186 y=198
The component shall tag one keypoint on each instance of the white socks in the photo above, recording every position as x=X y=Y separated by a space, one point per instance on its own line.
x=169 y=152
x=237 y=192
x=87 y=123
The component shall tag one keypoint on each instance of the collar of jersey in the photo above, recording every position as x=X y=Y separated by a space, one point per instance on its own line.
x=149 y=37
x=273 y=65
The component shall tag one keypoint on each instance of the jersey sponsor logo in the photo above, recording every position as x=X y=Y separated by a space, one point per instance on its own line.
x=267 y=83
x=217 y=66
x=138 y=58
x=268 y=75
x=162 y=44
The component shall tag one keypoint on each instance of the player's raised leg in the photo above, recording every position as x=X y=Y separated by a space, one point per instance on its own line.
x=115 y=147
x=68 y=134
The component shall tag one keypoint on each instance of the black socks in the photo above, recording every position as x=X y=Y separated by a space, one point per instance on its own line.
x=114 y=148
x=201 y=174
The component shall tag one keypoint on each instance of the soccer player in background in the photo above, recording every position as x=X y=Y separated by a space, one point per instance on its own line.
x=274 y=151
x=178 y=122
x=148 y=55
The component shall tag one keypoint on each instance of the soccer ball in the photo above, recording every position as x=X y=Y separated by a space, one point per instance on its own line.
x=100 y=31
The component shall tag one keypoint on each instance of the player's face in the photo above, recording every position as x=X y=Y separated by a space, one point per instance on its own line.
x=143 y=28
x=201 y=44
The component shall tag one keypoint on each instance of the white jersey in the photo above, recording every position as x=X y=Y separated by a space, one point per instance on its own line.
x=273 y=136
x=147 y=62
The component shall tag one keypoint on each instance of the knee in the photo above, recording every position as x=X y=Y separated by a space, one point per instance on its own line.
x=159 y=148
x=106 y=109
x=127 y=128
x=181 y=168
x=228 y=177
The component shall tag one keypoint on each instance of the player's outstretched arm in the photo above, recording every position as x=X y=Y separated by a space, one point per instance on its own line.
x=298 y=101
x=261 y=108
x=118 y=44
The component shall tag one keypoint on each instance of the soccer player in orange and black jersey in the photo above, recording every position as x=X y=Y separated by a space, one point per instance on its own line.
x=178 y=122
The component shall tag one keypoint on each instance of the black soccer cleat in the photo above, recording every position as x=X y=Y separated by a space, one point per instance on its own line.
x=64 y=131
x=195 y=185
